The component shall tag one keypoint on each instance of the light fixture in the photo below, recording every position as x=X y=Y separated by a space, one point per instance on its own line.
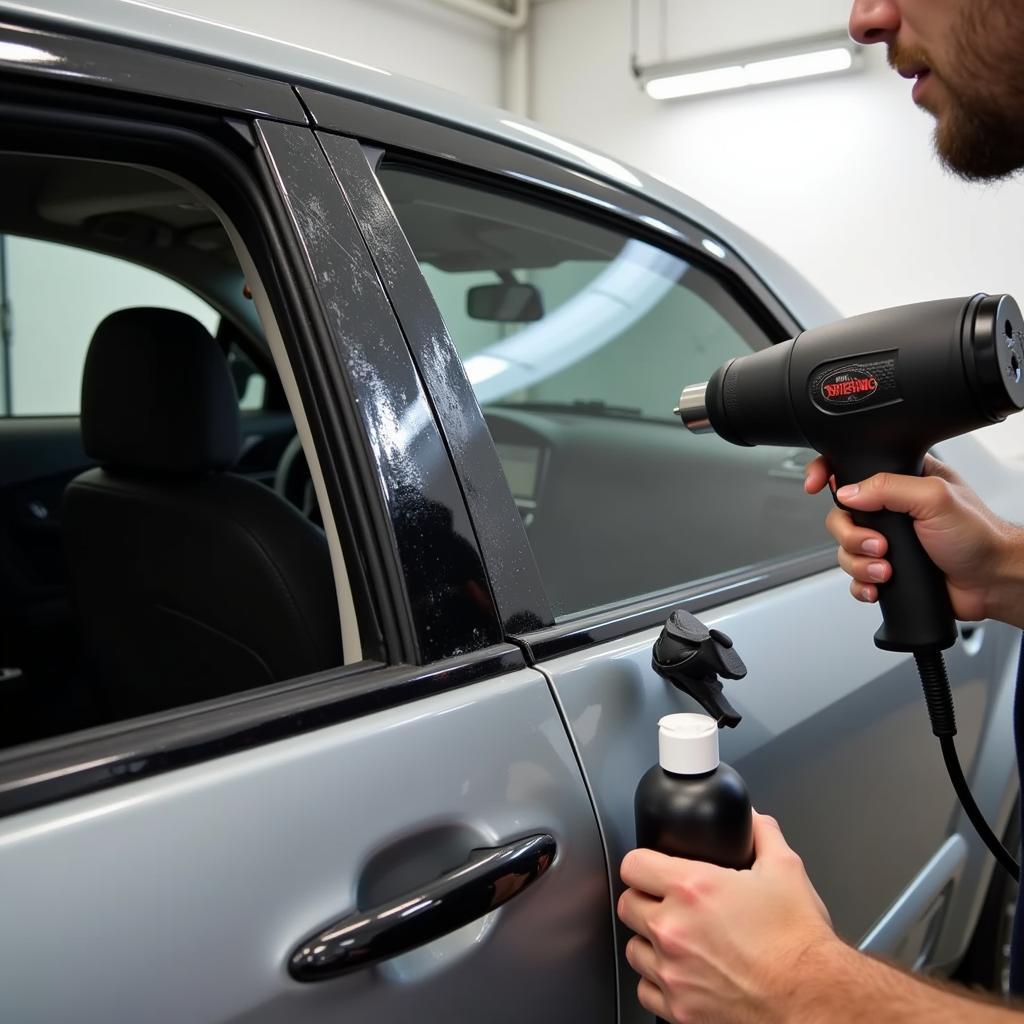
x=763 y=65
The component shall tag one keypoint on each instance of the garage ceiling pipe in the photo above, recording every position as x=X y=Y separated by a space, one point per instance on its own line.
x=514 y=19
x=516 y=77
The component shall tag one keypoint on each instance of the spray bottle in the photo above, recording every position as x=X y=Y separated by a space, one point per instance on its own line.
x=690 y=804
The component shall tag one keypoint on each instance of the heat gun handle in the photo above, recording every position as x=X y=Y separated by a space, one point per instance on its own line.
x=916 y=611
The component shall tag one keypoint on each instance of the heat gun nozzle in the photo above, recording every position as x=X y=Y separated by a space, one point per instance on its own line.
x=693 y=410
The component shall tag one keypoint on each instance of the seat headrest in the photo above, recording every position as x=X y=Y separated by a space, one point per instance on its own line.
x=157 y=395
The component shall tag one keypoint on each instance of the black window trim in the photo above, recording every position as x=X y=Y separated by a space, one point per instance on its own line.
x=622 y=620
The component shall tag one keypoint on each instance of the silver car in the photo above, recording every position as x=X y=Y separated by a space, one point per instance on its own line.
x=341 y=503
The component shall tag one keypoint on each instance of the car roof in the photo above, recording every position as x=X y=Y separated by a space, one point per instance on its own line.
x=149 y=25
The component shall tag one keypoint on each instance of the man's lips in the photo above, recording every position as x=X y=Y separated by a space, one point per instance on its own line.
x=920 y=72
x=914 y=71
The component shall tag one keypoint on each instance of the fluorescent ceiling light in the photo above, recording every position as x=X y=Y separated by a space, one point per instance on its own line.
x=697 y=82
x=799 y=59
x=802 y=65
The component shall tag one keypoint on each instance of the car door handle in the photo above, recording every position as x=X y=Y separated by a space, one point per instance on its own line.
x=489 y=878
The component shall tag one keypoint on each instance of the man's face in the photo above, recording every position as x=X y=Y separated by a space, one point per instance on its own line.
x=964 y=56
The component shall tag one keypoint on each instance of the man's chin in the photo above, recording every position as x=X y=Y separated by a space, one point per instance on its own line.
x=977 y=159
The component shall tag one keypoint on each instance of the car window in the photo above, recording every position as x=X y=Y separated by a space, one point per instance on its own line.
x=54 y=297
x=578 y=339
x=156 y=549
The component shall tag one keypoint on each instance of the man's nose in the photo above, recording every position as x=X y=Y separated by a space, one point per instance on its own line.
x=874 y=21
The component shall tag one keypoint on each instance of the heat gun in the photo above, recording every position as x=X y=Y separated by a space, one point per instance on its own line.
x=872 y=394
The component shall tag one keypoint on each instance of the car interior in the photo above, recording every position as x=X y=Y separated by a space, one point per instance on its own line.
x=129 y=527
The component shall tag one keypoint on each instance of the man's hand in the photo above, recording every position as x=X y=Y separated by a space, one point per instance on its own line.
x=716 y=946
x=981 y=555
x=723 y=946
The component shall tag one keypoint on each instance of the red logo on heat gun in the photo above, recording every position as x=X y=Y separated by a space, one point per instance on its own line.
x=847 y=386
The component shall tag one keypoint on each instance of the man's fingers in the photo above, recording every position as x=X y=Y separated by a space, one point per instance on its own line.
x=864 y=569
x=635 y=909
x=768 y=838
x=653 y=872
x=652 y=999
x=640 y=955
x=855 y=539
x=816 y=475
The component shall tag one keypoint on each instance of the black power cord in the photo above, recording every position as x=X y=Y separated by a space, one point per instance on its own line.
x=931 y=666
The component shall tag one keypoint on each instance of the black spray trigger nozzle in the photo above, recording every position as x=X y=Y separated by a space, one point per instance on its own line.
x=692 y=657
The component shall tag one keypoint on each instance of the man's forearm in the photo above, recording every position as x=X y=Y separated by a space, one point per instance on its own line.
x=837 y=984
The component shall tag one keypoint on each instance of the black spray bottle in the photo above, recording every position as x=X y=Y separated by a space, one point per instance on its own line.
x=690 y=804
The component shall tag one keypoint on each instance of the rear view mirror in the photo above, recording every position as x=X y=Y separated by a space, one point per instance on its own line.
x=505 y=303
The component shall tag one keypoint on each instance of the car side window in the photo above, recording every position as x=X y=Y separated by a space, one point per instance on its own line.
x=154 y=552
x=55 y=295
x=578 y=339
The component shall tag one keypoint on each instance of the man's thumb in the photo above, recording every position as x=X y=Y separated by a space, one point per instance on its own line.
x=919 y=497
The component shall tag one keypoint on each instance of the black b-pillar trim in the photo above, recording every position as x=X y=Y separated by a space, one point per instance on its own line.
x=436 y=572
x=515 y=579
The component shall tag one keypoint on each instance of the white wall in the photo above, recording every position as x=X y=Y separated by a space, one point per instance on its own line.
x=417 y=38
x=835 y=174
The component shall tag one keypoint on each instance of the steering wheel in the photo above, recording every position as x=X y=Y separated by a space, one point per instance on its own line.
x=293 y=482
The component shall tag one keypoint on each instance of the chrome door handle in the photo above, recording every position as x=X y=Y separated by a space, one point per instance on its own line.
x=488 y=879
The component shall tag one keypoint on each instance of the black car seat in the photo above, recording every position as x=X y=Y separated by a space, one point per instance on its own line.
x=190 y=582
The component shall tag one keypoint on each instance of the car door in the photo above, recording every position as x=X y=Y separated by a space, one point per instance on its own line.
x=628 y=519
x=405 y=835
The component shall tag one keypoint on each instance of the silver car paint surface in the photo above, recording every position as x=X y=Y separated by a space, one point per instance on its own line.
x=180 y=897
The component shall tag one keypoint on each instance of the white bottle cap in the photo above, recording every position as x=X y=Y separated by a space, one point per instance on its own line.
x=688 y=744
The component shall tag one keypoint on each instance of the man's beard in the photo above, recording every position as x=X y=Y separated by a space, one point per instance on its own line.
x=980 y=135
x=980 y=143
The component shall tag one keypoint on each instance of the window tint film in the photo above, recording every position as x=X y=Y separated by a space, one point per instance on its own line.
x=578 y=340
